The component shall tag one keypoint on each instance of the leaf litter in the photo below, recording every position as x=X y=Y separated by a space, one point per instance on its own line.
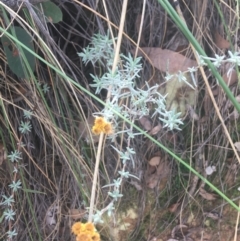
x=206 y=195
x=168 y=61
x=157 y=173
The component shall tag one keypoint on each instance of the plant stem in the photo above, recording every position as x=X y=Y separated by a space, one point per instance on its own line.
x=95 y=176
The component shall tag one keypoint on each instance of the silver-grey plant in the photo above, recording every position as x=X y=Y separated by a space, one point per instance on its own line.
x=122 y=85
x=15 y=157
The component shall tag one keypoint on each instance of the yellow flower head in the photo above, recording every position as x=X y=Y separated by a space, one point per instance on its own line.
x=96 y=237
x=101 y=125
x=108 y=128
x=89 y=227
x=99 y=121
x=84 y=237
x=77 y=228
x=96 y=130
x=85 y=232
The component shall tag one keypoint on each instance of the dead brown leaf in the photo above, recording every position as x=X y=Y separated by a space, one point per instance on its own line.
x=179 y=229
x=163 y=168
x=213 y=215
x=155 y=129
x=173 y=207
x=167 y=60
x=221 y=42
x=154 y=161
x=230 y=177
x=146 y=123
x=230 y=78
x=206 y=195
x=193 y=114
x=76 y=213
x=207 y=103
x=152 y=180
x=157 y=175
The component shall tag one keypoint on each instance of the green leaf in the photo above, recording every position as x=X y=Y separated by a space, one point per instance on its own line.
x=33 y=191
x=52 y=12
x=15 y=56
